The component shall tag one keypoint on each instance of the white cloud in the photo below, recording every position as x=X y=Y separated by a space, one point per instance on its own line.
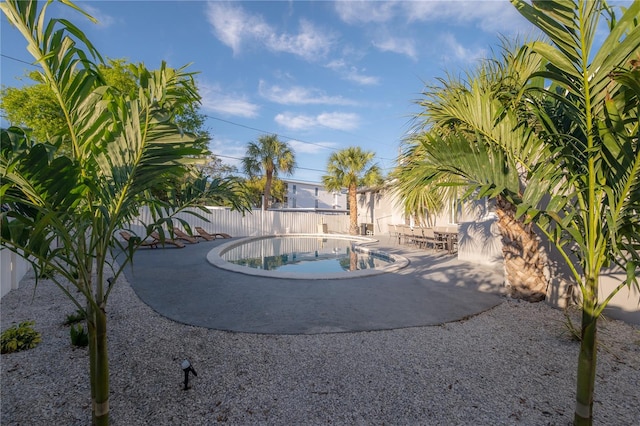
x=353 y=12
x=351 y=73
x=216 y=100
x=339 y=120
x=230 y=151
x=403 y=46
x=298 y=95
x=332 y=120
x=457 y=51
x=311 y=43
x=488 y=15
x=104 y=20
x=308 y=148
x=295 y=122
x=233 y=26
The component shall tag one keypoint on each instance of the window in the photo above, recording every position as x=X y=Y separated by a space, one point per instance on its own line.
x=294 y=189
x=316 y=193
x=316 y=201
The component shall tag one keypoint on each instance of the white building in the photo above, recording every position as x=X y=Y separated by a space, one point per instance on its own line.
x=302 y=195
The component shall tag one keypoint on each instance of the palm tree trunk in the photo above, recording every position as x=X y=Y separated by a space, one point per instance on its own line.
x=267 y=189
x=99 y=366
x=588 y=355
x=524 y=258
x=353 y=210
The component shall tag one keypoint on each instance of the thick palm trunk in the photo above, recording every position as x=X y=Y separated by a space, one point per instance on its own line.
x=524 y=258
x=99 y=366
x=353 y=211
x=587 y=357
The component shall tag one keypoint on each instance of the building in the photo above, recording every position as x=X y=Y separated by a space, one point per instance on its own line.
x=303 y=195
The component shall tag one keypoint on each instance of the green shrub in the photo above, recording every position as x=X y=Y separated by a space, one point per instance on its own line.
x=20 y=337
x=80 y=315
x=79 y=336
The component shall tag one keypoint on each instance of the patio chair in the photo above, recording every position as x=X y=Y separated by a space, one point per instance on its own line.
x=184 y=236
x=144 y=243
x=164 y=241
x=207 y=236
x=434 y=240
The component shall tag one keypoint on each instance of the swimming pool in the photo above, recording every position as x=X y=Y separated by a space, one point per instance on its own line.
x=305 y=256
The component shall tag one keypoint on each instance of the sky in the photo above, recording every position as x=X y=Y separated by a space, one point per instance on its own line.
x=321 y=75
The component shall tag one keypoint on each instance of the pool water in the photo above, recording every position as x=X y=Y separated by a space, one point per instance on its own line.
x=305 y=255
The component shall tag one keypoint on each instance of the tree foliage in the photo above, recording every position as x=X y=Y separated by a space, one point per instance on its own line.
x=351 y=168
x=588 y=118
x=268 y=157
x=65 y=206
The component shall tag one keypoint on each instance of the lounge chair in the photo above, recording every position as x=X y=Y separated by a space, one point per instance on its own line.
x=164 y=241
x=144 y=243
x=207 y=236
x=183 y=236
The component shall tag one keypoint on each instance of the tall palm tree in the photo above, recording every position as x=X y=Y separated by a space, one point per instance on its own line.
x=351 y=168
x=64 y=207
x=474 y=141
x=269 y=157
x=593 y=175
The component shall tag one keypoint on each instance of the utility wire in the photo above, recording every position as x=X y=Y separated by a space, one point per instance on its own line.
x=235 y=124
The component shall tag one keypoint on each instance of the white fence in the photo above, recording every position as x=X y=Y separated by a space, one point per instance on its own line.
x=258 y=222
x=12 y=269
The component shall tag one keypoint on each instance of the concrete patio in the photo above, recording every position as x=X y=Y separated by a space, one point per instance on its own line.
x=435 y=288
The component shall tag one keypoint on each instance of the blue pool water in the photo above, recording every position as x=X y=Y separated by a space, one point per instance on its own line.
x=305 y=255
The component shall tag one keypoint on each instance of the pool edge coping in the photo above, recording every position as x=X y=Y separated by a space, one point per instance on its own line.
x=214 y=257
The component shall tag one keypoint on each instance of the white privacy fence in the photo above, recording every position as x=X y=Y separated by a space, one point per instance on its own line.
x=258 y=222
x=12 y=269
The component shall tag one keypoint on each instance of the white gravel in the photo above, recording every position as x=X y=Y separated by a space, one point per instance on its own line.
x=514 y=364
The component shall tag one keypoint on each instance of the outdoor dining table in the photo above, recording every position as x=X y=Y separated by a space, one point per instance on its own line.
x=450 y=239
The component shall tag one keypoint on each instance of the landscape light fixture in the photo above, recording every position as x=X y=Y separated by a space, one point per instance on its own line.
x=186 y=367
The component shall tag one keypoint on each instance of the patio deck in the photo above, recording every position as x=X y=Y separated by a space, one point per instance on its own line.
x=435 y=288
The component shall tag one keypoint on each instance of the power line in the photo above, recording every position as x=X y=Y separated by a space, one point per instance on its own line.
x=240 y=159
x=279 y=134
x=237 y=124
x=18 y=60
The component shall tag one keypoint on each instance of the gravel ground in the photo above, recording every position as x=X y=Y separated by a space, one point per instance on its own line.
x=514 y=364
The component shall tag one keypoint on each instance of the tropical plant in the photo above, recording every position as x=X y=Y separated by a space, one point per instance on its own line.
x=78 y=335
x=473 y=141
x=586 y=196
x=256 y=186
x=36 y=108
x=75 y=318
x=268 y=157
x=19 y=337
x=351 y=168
x=64 y=208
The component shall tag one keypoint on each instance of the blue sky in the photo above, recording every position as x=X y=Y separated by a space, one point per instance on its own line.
x=322 y=75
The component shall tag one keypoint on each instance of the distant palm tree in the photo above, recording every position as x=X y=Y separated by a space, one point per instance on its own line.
x=269 y=157
x=350 y=168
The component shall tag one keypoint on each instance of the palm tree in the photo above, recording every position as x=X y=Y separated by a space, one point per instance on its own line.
x=474 y=142
x=594 y=173
x=268 y=156
x=351 y=168
x=64 y=207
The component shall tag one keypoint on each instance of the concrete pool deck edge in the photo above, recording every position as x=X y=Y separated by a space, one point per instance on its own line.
x=215 y=258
